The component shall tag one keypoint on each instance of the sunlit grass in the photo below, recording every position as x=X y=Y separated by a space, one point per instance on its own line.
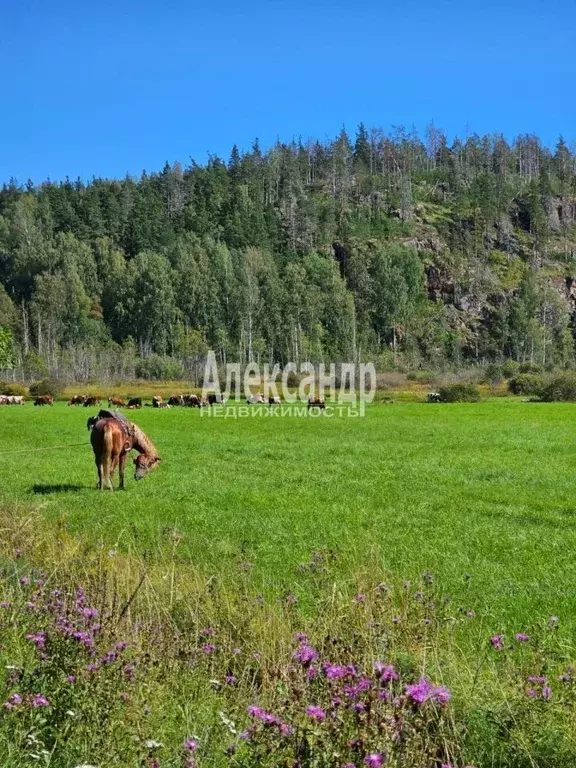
x=223 y=535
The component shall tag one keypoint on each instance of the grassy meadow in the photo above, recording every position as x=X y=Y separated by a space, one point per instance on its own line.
x=414 y=535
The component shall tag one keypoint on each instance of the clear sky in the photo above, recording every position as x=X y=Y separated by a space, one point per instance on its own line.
x=94 y=87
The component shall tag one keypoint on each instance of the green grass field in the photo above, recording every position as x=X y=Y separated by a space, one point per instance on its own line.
x=480 y=495
x=255 y=529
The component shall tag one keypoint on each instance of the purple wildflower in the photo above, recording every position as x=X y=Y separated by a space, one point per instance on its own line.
x=424 y=691
x=360 y=599
x=109 y=658
x=311 y=673
x=335 y=671
x=522 y=637
x=315 y=712
x=39 y=640
x=305 y=654
x=286 y=730
x=191 y=745
x=40 y=701
x=497 y=642
x=374 y=760
x=546 y=693
x=385 y=672
x=208 y=648
x=231 y=679
x=14 y=700
x=355 y=690
x=531 y=693
x=540 y=679
x=208 y=631
x=261 y=714
x=71 y=679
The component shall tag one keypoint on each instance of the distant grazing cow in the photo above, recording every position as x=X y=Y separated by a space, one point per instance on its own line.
x=316 y=402
x=134 y=402
x=118 y=402
x=255 y=399
x=156 y=401
x=44 y=400
x=176 y=400
x=11 y=400
x=274 y=400
x=163 y=405
x=91 y=401
x=192 y=401
x=77 y=400
x=434 y=397
x=216 y=399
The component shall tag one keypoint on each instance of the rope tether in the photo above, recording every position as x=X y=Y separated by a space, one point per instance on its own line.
x=48 y=448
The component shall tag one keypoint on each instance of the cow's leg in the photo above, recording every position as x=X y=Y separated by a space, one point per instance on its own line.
x=99 y=468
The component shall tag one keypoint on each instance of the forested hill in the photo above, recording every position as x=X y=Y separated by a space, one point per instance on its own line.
x=397 y=248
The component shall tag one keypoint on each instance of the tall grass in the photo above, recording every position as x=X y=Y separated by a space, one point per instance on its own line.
x=113 y=660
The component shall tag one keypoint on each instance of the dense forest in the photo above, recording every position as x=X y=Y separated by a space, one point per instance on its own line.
x=407 y=250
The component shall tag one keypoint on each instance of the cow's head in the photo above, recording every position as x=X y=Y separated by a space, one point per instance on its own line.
x=144 y=464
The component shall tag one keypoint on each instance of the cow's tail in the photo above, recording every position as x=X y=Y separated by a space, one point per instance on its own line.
x=108 y=447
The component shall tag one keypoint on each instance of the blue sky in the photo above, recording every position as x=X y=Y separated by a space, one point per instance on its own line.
x=109 y=88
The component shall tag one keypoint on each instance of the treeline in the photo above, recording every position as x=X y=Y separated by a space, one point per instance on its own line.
x=406 y=250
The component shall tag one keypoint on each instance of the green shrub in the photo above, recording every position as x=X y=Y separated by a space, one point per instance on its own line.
x=422 y=377
x=559 y=388
x=510 y=369
x=529 y=368
x=459 y=393
x=494 y=374
x=526 y=384
x=12 y=389
x=53 y=387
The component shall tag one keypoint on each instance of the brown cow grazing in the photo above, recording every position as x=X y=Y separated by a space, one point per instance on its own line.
x=176 y=400
x=91 y=401
x=77 y=400
x=44 y=400
x=134 y=402
x=316 y=402
x=118 y=402
x=192 y=401
x=112 y=438
x=156 y=401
